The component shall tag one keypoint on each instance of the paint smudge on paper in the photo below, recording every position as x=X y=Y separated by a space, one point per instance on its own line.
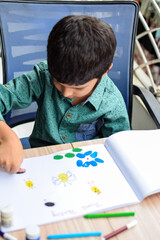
x=49 y=204
x=58 y=157
x=69 y=155
x=77 y=149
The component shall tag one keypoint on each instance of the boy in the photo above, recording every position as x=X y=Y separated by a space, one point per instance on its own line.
x=75 y=97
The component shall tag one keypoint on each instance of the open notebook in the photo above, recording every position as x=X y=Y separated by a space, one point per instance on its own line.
x=79 y=181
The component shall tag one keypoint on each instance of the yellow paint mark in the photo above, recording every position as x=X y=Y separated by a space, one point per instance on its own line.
x=29 y=184
x=63 y=177
x=95 y=189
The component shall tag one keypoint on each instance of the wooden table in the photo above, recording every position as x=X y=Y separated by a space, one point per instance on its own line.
x=147 y=213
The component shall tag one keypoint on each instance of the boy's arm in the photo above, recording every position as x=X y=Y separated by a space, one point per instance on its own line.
x=16 y=94
x=11 y=151
x=20 y=92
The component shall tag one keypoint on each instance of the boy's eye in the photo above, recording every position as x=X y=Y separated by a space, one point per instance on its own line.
x=80 y=89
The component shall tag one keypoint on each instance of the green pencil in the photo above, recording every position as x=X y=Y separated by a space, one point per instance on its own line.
x=102 y=215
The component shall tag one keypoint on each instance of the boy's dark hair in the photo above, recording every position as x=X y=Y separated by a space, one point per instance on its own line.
x=79 y=49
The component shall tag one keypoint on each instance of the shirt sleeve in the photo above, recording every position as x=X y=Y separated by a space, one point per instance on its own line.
x=116 y=119
x=21 y=91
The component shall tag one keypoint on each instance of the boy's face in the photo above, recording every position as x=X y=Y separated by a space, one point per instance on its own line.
x=81 y=92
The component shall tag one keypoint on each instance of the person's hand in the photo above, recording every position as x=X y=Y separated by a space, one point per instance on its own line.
x=11 y=150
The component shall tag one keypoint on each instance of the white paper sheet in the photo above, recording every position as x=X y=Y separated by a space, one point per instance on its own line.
x=138 y=152
x=73 y=190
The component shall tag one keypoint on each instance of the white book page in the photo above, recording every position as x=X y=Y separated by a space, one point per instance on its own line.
x=137 y=153
x=66 y=182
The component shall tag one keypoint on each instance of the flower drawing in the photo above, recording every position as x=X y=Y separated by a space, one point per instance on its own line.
x=87 y=159
x=65 y=178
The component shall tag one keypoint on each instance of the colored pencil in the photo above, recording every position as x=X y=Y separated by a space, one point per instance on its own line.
x=7 y=236
x=72 y=235
x=101 y=215
x=122 y=229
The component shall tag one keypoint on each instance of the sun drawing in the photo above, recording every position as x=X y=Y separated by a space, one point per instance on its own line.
x=65 y=178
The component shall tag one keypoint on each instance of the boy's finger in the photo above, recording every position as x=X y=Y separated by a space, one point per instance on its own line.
x=21 y=170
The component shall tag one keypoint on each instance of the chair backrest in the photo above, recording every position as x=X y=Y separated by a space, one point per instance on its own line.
x=25 y=26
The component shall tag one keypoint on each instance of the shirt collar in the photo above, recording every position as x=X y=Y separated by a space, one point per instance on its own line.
x=96 y=97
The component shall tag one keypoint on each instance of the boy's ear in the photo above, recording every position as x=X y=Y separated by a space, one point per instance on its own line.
x=108 y=70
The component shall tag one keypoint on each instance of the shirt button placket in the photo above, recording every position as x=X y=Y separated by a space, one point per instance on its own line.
x=68 y=115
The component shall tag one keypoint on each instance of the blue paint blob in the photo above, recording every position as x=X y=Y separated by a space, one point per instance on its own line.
x=80 y=155
x=94 y=155
x=87 y=153
x=99 y=160
x=79 y=163
x=86 y=164
x=93 y=163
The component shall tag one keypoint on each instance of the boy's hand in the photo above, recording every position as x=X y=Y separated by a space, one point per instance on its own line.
x=11 y=150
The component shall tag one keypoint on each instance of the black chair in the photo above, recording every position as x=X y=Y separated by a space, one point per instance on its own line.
x=24 y=29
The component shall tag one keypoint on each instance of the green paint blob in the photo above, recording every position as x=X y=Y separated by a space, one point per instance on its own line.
x=76 y=149
x=69 y=155
x=58 y=157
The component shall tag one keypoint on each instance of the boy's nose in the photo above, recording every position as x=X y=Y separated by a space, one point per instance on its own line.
x=67 y=92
